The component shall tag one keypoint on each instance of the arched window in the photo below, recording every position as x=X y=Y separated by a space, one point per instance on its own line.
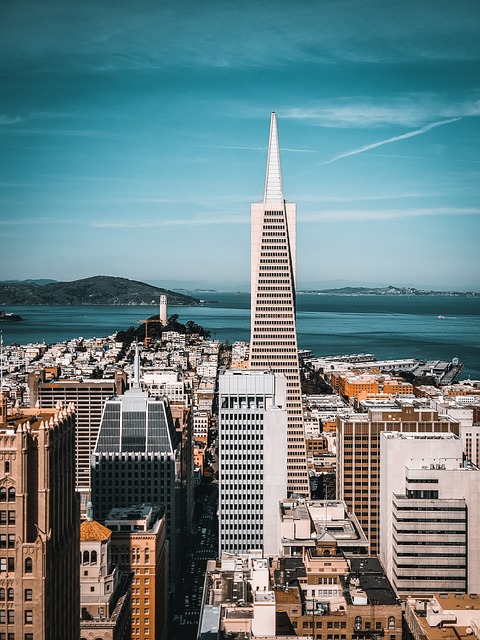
x=3 y=494
x=86 y=557
x=358 y=623
x=10 y=595
x=391 y=622
x=2 y=594
x=93 y=557
x=28 y=565
x=11 y=494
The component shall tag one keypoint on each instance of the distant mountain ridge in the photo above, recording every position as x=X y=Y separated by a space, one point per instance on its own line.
x=107 y=290
x=387 y=291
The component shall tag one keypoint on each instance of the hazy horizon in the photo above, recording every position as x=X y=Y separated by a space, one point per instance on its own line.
x=244 y=287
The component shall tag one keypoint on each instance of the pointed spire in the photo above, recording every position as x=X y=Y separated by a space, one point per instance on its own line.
x=273 y=180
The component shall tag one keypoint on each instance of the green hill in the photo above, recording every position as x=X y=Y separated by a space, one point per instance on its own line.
x=96 y=290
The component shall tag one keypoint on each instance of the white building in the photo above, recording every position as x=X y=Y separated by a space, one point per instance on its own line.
x=201 y=424
x=252 y=451
x=165 y=383
x=273 y=342
x=429 y=514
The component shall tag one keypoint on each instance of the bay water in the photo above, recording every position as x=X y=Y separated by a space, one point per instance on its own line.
x=425 y=327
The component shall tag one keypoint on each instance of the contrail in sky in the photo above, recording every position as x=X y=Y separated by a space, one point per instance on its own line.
x=374 y=145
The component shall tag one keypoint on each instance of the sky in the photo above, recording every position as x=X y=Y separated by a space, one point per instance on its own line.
x=133 y=138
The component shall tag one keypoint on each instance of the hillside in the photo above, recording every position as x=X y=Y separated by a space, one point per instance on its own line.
x=387 y=291
x=96 y=290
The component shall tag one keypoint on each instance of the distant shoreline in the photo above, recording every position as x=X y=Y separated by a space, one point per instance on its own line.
x=388 y=291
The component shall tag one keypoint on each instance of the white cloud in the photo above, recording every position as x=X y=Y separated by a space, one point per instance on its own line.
x=380 y=143
x=366 y=112
x=170 y=222
x=340 y=215
x=4 y=119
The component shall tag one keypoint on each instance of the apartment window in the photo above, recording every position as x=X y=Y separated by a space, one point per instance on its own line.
x=28 y=616
x=3 y=565
x=10 y=616
x=391 y=622
x=3 y=494
x=3 y=616
x=11 y=564
x=28 y=565
x=28 y=595
x=11 y=494
x=28 y=636
x=3 y=541
x=11 y=517
x=10 y=595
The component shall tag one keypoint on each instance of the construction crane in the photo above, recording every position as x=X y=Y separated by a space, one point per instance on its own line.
x=147 y=322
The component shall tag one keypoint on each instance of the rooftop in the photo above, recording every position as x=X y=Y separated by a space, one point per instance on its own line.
x=93 y=531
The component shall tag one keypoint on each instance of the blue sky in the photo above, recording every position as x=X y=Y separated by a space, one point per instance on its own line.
x=133 y=138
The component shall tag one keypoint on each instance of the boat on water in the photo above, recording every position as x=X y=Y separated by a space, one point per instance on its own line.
x=9 y=317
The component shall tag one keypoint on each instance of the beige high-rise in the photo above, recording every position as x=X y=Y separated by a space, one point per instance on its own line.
x=273 y=344
x=39 y=525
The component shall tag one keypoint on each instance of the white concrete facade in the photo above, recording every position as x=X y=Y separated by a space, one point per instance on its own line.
x=429 y=514
x=252 y=450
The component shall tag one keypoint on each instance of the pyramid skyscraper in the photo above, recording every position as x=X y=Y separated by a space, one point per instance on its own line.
x=273 y=342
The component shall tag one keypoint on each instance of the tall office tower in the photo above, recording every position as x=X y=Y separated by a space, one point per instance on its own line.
x=429 y=514
x=134 y=459
x=39 y=525
x=88 y=398
x=273 y=342
x=139 y=546
x=252 y=439
x=358 y=456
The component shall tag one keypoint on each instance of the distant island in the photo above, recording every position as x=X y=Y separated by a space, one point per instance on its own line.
x=387 y=291
x=98 y=290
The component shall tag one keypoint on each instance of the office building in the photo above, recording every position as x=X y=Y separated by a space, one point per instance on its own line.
x=104 y=588
x=39 y=525
x=273 y=341
x=358 y=456
x=252 y=448
x=135 y=458
x=139 y=546
x=88 y=397
x=429 y=537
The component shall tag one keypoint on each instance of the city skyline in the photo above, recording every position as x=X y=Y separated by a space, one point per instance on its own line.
x=141 y=133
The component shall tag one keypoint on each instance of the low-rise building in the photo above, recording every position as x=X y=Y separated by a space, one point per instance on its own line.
x=303 y=522
x=324 y=596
